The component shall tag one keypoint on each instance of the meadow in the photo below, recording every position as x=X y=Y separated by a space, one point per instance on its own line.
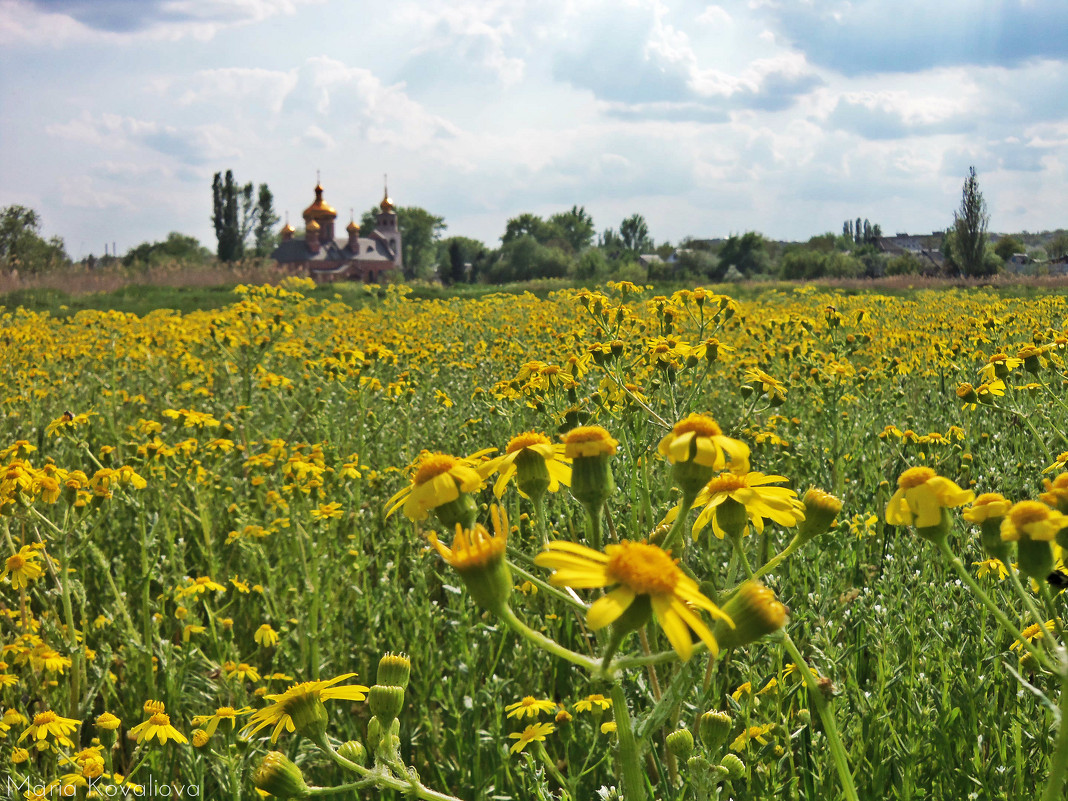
x=233 y=561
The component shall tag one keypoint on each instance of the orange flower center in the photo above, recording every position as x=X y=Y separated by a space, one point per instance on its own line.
x=586 y=434
x=997 y=357
x=15 y=563
x=726 y=482
x=521 y=441
x=1028 y=512
x=644 y=568
x=915 y=477
x=160 y=719
x=44 y=718
x=698 y=423
x=988 y=498
x=433 y=465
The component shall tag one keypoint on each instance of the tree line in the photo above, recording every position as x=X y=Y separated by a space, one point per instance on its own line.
x=567 y=244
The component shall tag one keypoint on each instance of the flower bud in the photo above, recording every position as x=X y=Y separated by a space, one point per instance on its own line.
x=680 y=743
x=734 y=766
x=386 y=702
x=394 y=670
x=309 y=716
x=278 y=776
x=462 y=510
x=755 y=612
x=804 y=717
x=714 y=727
x=820 y=510
x=353 y=751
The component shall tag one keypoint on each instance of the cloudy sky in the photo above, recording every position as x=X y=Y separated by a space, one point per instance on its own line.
x=782 y=116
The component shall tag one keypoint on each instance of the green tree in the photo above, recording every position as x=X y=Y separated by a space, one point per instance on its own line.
x=420 y=232
x=176 y=247
x=226 y=217
x=266 y=220
x=634 y=232
x=526 y=225
x=21 y=245
x=969 y=226
x=573 y=227
x=747 y=253
x=1007 y=246
x=454 y=253
x=1058 y=245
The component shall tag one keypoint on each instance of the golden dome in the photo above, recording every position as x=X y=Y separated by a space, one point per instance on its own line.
x=312 y=226
x=288 y=229
x=319 y=210
x=387 y=203
x=352 y=227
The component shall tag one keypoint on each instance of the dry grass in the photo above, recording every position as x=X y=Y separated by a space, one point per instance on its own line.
x=79 y=280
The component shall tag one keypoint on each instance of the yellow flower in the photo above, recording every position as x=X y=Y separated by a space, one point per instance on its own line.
x=211 y=722
x=1032 y=520
x=534 y=461
x=279 y=713
x=47 y=724
x=159 y=726
x=23 y=567
x=590 y=701
x=1056 y=494
x=1034 y=632
x=921 y=495
x=725 y=493
x=478 y=557
x=243 y=672
x=438 y=479
x=529 y=706
x=986 y=506
x=752 y=733
x=640 y=572
x=532 y=733
x=993 y=566
x=608 y=727
x=589 y=441
x=743 y=689
x=266 y=636
x=699 y=439
x=327 y=511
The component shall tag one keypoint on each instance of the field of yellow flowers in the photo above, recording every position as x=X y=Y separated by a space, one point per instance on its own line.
x=601 y=545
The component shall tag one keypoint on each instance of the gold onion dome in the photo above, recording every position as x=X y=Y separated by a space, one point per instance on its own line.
x=288 y=229
x=352 y=227
x=313 y=226
x=387 y=203
x=319 y=209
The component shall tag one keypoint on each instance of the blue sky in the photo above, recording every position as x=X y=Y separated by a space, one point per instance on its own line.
x=782 y=116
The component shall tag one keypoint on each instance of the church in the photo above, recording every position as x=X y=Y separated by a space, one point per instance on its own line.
x=373 y=259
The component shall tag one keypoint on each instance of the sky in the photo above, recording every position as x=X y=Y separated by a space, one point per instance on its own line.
x=780 y=116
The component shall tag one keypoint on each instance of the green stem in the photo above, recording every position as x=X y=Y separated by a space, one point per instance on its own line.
x=776 y=560
x=1004 y=622
x=830 y=727
x=1040 y=619
x=380 y=777
x=1059 y=766
x=594 y=512
x=548 y=644
x=629 y=754
x=680 y=520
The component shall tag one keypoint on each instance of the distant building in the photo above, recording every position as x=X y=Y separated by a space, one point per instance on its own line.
x=375 y=258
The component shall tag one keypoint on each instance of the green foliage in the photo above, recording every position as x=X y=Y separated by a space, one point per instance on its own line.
x=21 y=245
x=905 y=264
x=970 y=224
x=420 y=232
x=524 y=258
x=747 y=253
x=265 y=236
x=634 y=233
x=456 y=251
x=1058 y=245
x=573 y=227
x=591 y=265
x=176 y=247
